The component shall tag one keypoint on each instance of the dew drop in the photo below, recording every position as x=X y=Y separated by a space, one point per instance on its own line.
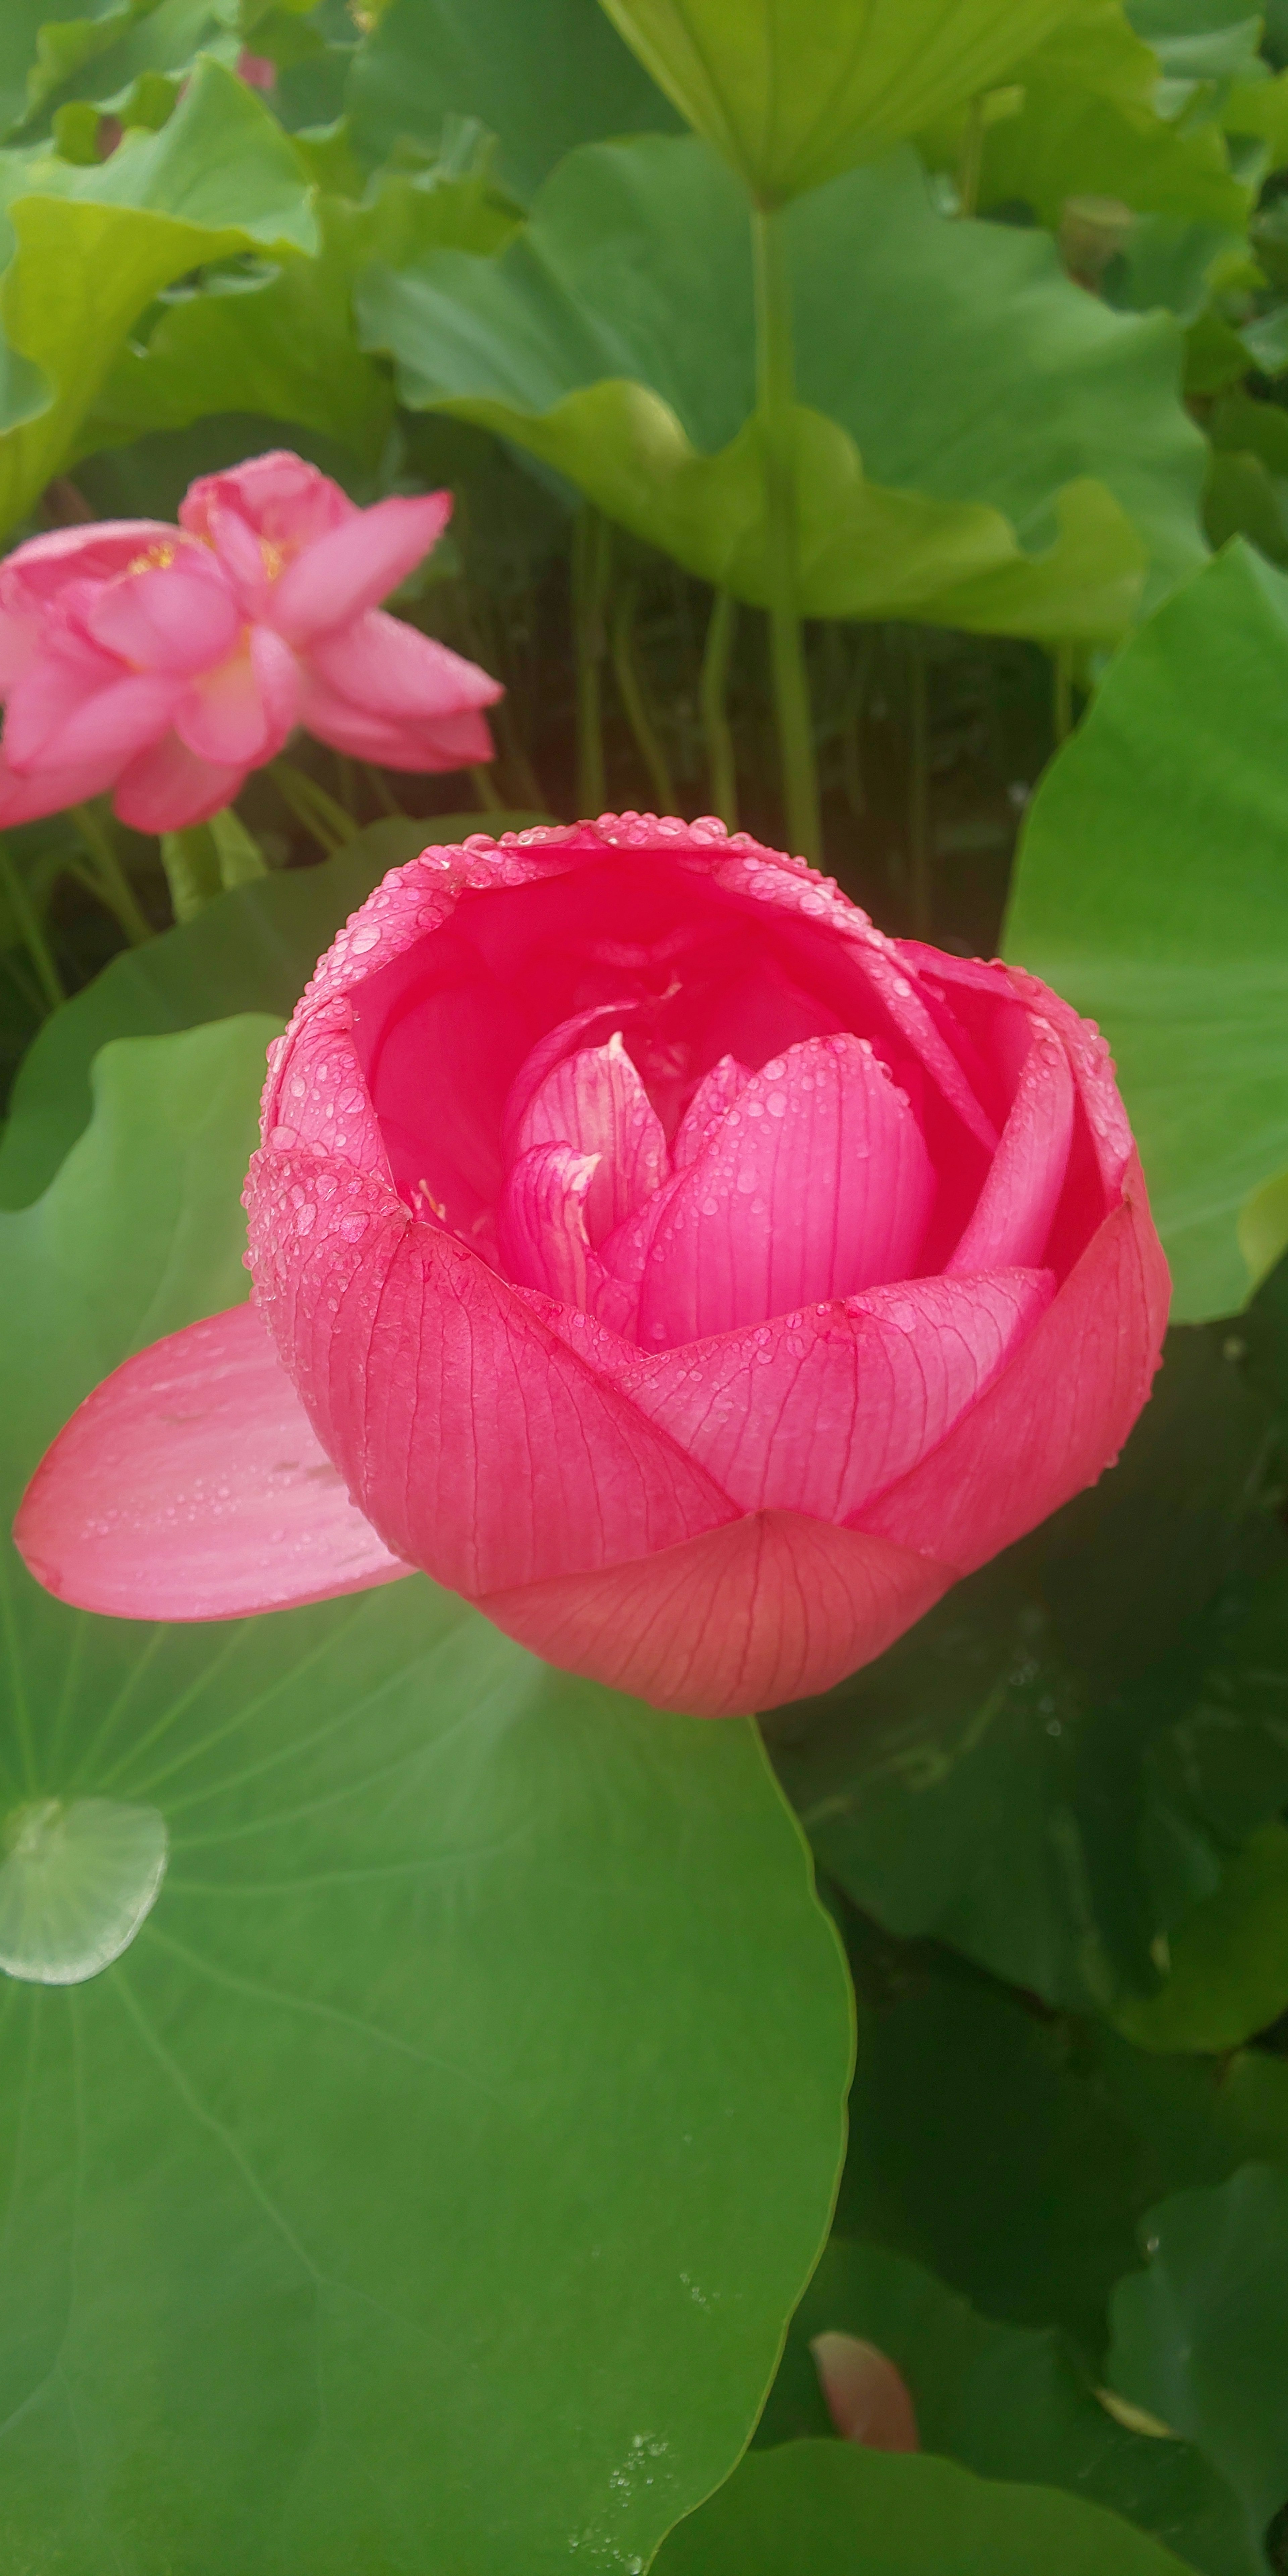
x=76 y=1882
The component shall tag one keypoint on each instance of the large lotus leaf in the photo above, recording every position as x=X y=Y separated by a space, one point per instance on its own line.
x=91 y=247
x=426 y=2184
x=978 y=443
x=793 y=92
x=1087 y=126
x=252 y=949
x=43 y=43
x=542 y=81
x=1006 y=2401
x=1150 y=890
x=1228 y=1961
x=832 y=2509
x=1057 y=1765
x=1201 y=2337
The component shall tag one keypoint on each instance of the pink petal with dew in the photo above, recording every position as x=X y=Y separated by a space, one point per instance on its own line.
x=1016 y=1207
x=393 y=672
x=819 y=1411
x=107 y=725
x=25 y=796
x=866 y=2397
x=173 y=621
x=816 y=1183
x=168 y=787
x=433 y=743
x=596 y=1102
x=336 y=577
x=277 y=494
x=1054 y=1420
x=542 y=1234
x=772 y=1608
x=716 y=1092
x=589 y=1027
x=190 y=1486
x=475 y=1439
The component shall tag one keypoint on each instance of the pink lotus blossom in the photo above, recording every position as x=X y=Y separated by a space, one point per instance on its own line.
x=654 y=1253
x=166 y=663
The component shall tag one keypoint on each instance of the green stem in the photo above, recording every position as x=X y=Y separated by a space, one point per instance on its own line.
x=485 y=790
x=591 y=553
x=112 y=884
x=380 y=788
x=330 y=826
x=919 y=785
x=971 y=159
x=631 y=690
x=28 y=920
x=713 y=695
x=776 y=393
x=1062 y=693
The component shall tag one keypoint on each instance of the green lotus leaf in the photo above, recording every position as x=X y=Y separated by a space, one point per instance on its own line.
x=541 y=80
x=1150 y=891
x=1228 y=1960
x=1201 y=2338
x=1007 y=2401
x=1058 y=1765
x=793 y=92
x=91 y=247
x=839 y=2510
x=969 y=440
x=429 y=2177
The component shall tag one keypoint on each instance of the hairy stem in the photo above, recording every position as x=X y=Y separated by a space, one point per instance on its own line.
x=112 y=885
x=631 y=691
x=591 y=556
x=29 y=923
x=775 y=383
x=713 y=695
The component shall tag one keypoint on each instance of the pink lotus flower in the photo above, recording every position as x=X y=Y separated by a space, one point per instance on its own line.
x=167 y=663
x=695 y=1279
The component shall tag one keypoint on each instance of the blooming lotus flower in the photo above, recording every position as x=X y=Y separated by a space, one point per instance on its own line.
x=693 y=1278
x=167 y=663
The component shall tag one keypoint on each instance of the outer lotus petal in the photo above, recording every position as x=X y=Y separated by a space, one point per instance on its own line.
x=38 y=571
x=716 y=1092
x=190 y=1486
x=1016 y=1207
x=818 y=1412
x=474 y=1438
x=541 y=1223
x=771 y=1609
x=596 y=1102
x=440 y=742
x=336 y=577
x=168 y=787
x=816 y=1183
x=176 y=620
x=393 y=672
x=23 y=798
x=1054 y=1420
x=52 y=691
x=277 y=494
x=102 y=731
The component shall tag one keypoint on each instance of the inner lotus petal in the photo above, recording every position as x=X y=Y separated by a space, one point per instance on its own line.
x=816 y=1183
x=596 y=1102
x=541 y=1223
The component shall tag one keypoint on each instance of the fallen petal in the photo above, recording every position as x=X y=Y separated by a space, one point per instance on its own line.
x=866 y=2397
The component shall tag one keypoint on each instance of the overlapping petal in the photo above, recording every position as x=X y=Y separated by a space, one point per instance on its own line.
x=595 y=1101
x=190 y=1486
x=817 y=1182
x=477 y=1442
x=336 y=577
